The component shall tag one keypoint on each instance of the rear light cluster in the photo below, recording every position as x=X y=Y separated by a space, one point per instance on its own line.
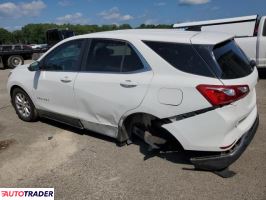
x=219 y=95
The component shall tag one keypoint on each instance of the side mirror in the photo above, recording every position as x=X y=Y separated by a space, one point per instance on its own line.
x=35 y=66
x=252 y=63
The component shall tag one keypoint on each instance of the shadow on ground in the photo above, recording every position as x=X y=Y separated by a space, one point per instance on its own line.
x=167 y=154
x=177 y=156
x=76 y=130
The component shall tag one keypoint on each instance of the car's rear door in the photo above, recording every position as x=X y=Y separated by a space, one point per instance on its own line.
x=113 y=81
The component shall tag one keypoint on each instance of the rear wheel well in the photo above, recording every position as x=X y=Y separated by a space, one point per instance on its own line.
x=152 y=124
x=142 y=118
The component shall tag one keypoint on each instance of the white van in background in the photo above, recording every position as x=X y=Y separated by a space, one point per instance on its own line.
x=249 y=31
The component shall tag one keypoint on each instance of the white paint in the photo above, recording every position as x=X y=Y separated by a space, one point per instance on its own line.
x=51 y=94
x=100 y=101
x=248 y=45
x=240 y=29
x=170 y=96
x=216 y=21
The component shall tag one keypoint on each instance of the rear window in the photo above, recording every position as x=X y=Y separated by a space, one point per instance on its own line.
x=181 y=56
x=232 y=62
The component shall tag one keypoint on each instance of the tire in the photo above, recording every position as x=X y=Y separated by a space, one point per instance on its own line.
x=23 y=105
x=14 y=61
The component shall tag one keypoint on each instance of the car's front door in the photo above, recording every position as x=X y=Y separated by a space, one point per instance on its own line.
x=53 y=84
x=114 y=80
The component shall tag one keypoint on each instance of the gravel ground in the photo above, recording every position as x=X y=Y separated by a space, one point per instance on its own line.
x=84 y=165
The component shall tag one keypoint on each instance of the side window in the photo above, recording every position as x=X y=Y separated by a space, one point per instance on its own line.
x=112 y=56
x=181 y=56
x=132 y=61
x=66 y=57
x=105 y=56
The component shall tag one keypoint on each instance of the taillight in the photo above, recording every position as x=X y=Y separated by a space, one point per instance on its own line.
x=219 y=95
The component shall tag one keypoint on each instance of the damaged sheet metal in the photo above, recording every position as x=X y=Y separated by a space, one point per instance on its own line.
x=151 y=140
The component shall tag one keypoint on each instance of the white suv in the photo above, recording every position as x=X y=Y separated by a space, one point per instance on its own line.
x=197 y=88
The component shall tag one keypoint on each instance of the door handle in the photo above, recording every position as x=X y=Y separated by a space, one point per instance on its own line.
x=65 y=80
x=128 y=84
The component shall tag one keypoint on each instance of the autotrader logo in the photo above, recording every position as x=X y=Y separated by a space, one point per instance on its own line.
x=27 y=193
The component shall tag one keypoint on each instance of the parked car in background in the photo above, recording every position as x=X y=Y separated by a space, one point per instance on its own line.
x=193 y=89
x=249 y=31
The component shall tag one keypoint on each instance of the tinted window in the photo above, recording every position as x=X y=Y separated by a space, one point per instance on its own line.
x=232 y=62
x=132 y=61
x=66 y=57
x=105 y=55
x=182 y=57
x=112 y=56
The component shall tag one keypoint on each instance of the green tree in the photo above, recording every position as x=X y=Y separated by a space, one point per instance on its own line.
x=160 y=26
x=124 y=26
x=35 y=33
x=17 y=37
x=5 y=36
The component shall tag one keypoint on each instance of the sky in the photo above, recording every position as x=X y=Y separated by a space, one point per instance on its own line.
x=16 y=13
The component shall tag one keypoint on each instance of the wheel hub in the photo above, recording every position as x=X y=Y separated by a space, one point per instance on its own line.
x=16 y=61
x=22 y=105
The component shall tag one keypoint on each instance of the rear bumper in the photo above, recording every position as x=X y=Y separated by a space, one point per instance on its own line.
x=222 y=161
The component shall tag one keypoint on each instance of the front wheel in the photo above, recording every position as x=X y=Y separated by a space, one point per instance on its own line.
x=23 y=105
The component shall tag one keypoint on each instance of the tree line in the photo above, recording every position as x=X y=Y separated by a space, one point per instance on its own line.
x=35 y=33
